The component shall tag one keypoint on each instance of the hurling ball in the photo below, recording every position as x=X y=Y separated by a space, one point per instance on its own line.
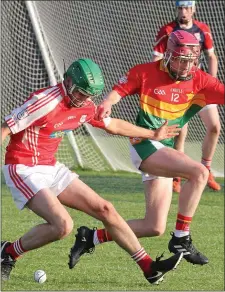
x=40 y=276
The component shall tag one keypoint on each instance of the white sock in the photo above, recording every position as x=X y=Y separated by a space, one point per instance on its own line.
x=95 y=238
x=181 y=233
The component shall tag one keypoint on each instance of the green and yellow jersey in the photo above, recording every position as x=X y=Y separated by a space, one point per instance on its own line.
x=163 y=98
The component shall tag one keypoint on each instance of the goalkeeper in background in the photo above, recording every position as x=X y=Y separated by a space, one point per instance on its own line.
x=172 y=89
x=40 y=183
x=209 y=114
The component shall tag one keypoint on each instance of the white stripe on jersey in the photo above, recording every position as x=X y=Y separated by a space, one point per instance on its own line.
x=34 y=109
x=209 y=50
x=155 y=53
x=159 y=40
x=32 y=104
x=32 y=135
x=41 y=101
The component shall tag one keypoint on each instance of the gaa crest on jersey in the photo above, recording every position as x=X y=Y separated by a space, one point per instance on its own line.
x=159 y=91
x=23 y=114
x=123 y=79
x=59 y=134
x=198 y=36
x=83 y=118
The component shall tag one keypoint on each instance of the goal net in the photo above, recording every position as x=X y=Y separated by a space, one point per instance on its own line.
x=115 y=34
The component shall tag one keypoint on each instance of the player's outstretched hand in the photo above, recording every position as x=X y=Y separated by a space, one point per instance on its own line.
x=103 y=110
x=165 y=131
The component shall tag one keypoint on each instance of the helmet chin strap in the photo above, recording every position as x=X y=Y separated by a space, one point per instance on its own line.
x=177 y=77
x=173 y=74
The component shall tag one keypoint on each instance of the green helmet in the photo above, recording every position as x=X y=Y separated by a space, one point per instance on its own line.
x=86 y=77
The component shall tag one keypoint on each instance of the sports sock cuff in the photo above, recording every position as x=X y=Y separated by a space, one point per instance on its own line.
x=139 y=255
x=184 y=218
x=95 y=238
x=15 y=249
x=206 y=162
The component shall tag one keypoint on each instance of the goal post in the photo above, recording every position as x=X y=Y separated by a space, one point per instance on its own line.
x=45 y=53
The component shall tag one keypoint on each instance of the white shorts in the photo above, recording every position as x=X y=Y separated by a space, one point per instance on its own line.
x=207 y=107
x=25 y=181
x=136 y=160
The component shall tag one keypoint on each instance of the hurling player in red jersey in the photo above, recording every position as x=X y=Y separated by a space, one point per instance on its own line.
x=37 y=181
x=209 y=114
x=172 y=89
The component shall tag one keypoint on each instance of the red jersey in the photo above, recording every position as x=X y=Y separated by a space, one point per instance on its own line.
x=162 y=98
x=199 y=29
x=39 y=125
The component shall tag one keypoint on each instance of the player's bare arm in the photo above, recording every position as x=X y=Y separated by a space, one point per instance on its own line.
x=123 y=128
x=212 y=64
x=104 y=109
x=5 y=132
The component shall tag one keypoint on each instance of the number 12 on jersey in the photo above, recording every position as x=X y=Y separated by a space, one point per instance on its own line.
x=175 y=97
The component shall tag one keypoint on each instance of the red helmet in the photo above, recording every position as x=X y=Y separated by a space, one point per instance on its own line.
x=182 y=45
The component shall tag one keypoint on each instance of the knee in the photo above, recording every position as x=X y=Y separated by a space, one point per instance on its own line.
x=214 y=129
x=106 y=211
x=200 y=174
x=64 y=228
x=156 y=229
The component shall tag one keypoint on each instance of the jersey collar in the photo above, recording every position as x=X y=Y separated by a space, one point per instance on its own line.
x=162 y=67
x=64 y=94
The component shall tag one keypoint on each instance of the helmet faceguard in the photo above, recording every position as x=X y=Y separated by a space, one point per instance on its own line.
x=182 y=55
x=85 y=78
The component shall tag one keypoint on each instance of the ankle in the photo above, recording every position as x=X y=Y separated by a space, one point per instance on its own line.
x=143 y=260
x=101 y=236
x=15 y=249
x=181 y=233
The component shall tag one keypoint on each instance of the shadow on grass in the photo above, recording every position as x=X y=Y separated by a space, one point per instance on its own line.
x=114 y=184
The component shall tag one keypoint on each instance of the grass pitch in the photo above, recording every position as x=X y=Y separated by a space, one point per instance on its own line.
x=110 y=268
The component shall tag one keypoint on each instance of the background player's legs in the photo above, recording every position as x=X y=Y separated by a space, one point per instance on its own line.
x=210 y=117
x=179 y=145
